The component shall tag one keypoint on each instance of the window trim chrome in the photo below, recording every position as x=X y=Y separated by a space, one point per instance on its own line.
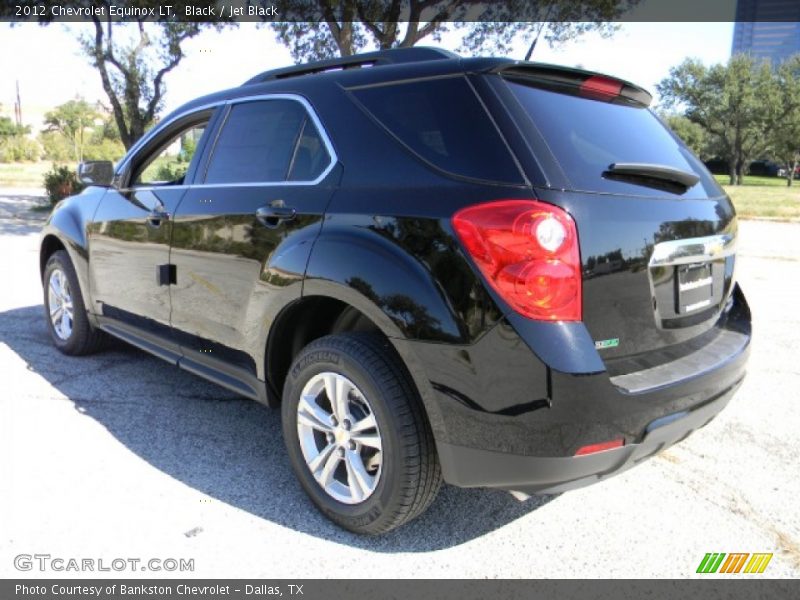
x=333 y=157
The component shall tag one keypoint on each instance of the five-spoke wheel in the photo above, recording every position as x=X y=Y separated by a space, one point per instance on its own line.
x=356 y=433
x=339 y=437
x=66 y=313
x=60 y=301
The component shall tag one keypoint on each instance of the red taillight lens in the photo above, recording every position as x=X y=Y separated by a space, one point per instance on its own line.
x=528 y=251
x=593 y=448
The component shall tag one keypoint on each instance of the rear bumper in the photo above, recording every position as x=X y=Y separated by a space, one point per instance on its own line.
x=504 y=417
x=470 y=467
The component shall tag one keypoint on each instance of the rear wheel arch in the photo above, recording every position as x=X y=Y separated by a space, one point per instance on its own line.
x=302 y=322
x=313 y=317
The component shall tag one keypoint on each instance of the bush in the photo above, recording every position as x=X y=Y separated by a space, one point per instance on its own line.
x=19 y=148
x=56 y=146
x=171 y=171
x=104 y=149
x=60 y=182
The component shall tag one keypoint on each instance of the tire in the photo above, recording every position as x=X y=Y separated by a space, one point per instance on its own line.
x=392 y=485
x=72 y=334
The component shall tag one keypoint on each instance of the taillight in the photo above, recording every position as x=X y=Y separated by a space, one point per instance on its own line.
x=528 y=251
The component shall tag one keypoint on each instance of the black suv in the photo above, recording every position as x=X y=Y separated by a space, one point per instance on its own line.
x=481 y=271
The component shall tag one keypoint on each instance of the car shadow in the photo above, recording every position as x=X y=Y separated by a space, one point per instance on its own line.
x=225 y=446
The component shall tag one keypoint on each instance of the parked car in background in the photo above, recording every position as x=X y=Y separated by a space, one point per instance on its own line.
x=717 y=166
x=766 y=168
x=480 y=271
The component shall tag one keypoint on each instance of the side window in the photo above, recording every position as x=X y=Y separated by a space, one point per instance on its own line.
x=310 y=156
x=261 y=141
x=168 y=164
x=443 y=122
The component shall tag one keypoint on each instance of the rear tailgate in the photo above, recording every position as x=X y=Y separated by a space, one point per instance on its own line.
x=657 y=234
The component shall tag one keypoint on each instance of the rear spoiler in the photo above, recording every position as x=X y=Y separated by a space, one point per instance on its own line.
x=575 y=82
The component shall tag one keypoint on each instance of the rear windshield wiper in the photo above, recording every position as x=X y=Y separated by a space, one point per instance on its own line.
x=652 y=175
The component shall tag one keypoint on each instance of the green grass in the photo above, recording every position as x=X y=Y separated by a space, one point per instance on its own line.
x=753 y=180
x=764 y=197
x=766 y=201
x=25 y=175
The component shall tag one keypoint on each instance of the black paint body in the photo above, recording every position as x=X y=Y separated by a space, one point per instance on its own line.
x=374 y=235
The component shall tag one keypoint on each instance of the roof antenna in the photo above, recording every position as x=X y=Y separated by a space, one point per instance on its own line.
x=530 y=50
x=538 y=33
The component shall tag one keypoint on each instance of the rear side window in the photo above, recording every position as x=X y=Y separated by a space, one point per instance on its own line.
x=310 y=158
x=442 y=122
x=586 y=136
x=257 y=142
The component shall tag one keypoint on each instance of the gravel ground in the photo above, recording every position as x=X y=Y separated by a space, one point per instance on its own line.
x=122 y=456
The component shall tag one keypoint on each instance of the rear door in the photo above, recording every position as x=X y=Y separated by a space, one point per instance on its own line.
x=657 y=254
x=243 y=233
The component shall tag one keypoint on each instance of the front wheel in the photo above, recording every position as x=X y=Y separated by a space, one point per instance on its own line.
x=64 y=309
x=357 y=435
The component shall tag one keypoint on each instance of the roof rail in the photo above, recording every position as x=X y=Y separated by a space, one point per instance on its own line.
x=381 y=57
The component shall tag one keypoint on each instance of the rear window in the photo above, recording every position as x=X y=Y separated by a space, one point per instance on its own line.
x=587 y=136
x=442 y=121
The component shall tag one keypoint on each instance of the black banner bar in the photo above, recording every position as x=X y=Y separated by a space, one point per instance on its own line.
x=210 y=11
x=708 y=588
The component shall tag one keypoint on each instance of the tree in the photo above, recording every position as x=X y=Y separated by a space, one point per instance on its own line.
x=318 y=29
x=133 y=57
x=72 y=119
x=737 y=104
x=785 y=136
x=133 y=70
x=10 y=129
x=692 y=134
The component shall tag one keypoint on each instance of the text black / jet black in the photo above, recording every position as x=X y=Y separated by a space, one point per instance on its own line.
x=483 y=271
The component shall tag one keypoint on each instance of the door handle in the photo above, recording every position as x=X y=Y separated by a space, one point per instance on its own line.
x=156 y=216
x=272 y=216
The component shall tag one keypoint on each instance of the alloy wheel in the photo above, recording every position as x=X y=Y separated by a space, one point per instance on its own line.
x=60 y=304
x=339 y=437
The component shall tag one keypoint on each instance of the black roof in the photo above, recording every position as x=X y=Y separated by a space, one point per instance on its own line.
x=385 y=65
x=367 y=59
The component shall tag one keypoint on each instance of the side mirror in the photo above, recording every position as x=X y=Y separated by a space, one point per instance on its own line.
x=96 y=172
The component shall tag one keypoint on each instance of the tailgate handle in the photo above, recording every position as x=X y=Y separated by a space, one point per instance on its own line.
x=693 y=250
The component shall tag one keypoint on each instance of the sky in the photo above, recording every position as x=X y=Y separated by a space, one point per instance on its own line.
x=48 y=64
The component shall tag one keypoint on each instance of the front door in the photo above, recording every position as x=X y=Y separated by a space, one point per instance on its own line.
x=243 y=233
x=130 y=235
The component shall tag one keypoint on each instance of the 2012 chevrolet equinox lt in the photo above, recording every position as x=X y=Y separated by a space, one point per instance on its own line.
x=481 y=271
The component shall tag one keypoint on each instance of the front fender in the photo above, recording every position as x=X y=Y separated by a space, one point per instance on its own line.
x=68 y=225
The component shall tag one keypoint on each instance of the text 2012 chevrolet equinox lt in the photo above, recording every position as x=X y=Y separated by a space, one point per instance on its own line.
x=480 y=271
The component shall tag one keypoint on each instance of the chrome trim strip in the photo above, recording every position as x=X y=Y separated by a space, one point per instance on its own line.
x=693 y=250
x=326 y=140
